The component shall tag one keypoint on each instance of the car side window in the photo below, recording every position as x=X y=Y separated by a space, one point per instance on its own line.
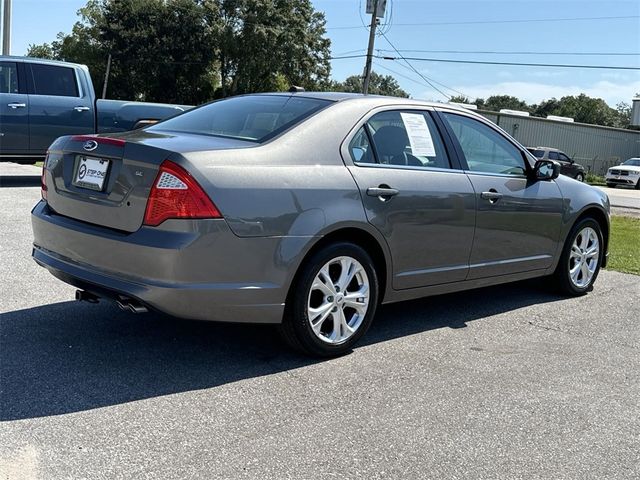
x=401 y=138
x=54 y=80
x=360 y=148
x=485 y=149
x=554 y=156
x=8 y=77
x=563 y=157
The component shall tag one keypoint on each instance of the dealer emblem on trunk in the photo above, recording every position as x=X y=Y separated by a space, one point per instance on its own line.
x=90 y=145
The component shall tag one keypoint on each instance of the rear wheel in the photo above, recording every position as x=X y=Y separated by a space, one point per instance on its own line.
x=581 y=258
x=332 y=302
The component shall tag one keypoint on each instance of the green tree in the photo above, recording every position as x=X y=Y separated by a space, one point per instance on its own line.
x=181 y=51
x=378 y=85
x=581 y=108
x=498 y=102
x=262 y=43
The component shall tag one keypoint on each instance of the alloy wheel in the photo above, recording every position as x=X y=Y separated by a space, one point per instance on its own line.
x=584 y=257
x=338 y=300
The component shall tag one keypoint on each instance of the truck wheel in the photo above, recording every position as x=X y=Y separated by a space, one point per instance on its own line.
x=332 y=301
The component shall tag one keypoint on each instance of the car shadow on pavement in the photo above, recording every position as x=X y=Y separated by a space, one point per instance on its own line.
x=69 y=357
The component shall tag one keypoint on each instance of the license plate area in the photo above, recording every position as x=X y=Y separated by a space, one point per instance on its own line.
x=90 y=172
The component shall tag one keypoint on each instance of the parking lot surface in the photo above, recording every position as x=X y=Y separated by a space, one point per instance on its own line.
x=504 y=382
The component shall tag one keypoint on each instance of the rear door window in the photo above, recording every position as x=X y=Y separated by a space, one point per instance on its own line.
x=54 y=80
x=536 y=152
x=9 y=77
x=400 y=138
x=554 y=156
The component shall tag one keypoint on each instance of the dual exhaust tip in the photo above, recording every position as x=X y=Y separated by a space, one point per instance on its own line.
x=126 y=304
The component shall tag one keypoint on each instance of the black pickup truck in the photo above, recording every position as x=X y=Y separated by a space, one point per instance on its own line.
x=41 y=100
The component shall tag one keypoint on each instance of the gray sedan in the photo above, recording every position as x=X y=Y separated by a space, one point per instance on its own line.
x=308 y=210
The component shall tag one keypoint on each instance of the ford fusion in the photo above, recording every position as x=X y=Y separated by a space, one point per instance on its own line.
x=308 y=210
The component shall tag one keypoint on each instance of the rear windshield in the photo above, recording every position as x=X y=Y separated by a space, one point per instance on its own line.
x=536 y=153
x=256 y=118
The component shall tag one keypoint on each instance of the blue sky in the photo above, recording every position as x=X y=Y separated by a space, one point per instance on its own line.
x=38 y=21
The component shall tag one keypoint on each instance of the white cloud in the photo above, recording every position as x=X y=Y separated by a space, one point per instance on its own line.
x=533 y=92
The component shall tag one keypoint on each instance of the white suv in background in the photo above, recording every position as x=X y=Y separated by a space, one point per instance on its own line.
x=627 y=173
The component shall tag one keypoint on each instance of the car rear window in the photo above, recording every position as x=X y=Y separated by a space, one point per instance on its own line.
x=255 y=118
x=536 y=153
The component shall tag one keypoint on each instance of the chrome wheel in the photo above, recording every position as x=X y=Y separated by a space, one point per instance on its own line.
x=584 y=257
x=338 y=300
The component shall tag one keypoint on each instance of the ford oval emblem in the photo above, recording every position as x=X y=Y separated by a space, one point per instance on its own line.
x=90 y=145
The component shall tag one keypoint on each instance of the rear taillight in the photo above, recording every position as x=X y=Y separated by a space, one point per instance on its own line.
x=43 y=180
x=176 y=194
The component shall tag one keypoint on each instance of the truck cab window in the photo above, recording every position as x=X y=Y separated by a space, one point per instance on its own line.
x=54 y=80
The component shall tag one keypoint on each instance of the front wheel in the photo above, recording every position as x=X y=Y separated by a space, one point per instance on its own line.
x=332 y=302
x=580 y=177
x=581 y=258
x=611 y=185
x=638 y=185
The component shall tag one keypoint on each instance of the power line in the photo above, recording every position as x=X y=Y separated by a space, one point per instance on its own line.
x=519 y=64
x=493 y=22
x=433 y=80
x=415 y=70
x=503 y=52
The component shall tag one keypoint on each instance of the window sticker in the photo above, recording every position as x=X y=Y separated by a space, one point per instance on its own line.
x=419 y=134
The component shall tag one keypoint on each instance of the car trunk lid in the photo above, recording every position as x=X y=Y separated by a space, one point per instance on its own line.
x=106 y=181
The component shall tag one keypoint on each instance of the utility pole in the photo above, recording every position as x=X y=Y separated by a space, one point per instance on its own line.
x=372 y=38
x=106 y=78
x=6 y=28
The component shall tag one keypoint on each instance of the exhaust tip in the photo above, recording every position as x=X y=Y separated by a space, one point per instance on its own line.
x=84 y=296
x=129 y=305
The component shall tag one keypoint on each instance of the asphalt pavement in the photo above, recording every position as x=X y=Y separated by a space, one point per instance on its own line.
x=504 y=382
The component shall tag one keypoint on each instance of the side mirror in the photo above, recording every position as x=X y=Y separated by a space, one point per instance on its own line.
x=546 y=170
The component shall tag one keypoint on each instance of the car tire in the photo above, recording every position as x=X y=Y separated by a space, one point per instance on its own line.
x=581 y=258
x=638 y=185
x=319 y=288
x=580 y=177
x=611 y=185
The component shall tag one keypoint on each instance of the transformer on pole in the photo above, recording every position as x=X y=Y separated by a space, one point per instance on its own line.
x=376 y=9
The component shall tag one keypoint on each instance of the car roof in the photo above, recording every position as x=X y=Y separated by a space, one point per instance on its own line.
x=383 y=99
x=550 y=149
x=15 y=58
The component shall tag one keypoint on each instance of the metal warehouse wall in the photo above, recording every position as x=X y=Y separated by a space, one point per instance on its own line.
x=595 y=147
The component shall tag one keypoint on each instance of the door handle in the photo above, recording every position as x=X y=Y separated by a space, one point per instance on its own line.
x=81 y=109
x=383 y=192
x=492 y=195
x=16 y=105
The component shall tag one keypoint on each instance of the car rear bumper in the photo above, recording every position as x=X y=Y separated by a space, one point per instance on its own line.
x=195 y=269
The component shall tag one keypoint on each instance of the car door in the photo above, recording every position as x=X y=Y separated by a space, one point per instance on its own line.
x=518 y=219
x=567 y=165
x=415 y=195
x=57 y=105
x=14 y=111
